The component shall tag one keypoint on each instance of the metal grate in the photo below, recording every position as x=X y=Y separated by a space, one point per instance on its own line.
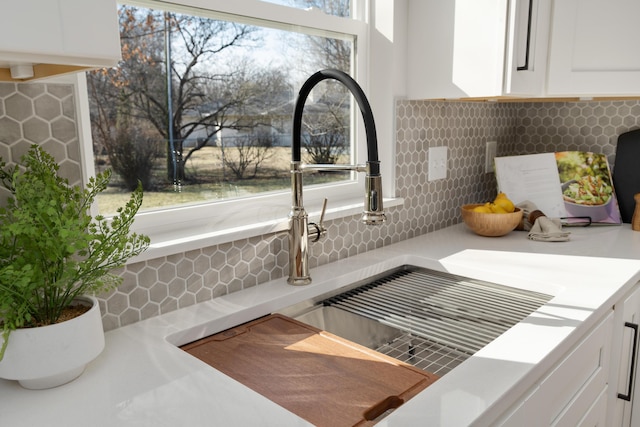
x=446 y=318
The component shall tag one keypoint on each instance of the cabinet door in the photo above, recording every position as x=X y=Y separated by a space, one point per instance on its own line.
x=585 y=413
x=456 y=48
x=574 y=392
x=575 y=385
x=527 y=47
x=627 y=315
x=594 y=48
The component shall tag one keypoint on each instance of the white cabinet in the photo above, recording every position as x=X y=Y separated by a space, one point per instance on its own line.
x=527 y=44
x=58 y=36
x=574 y=392
x=594 y=48
x=523 y=48
x=595 y=384
x=477 y=48
x=624 y=363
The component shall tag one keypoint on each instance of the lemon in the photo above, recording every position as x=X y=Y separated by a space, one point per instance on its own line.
x=482 y=209
x=503 y=201
x=496 y=208
x=501 y=204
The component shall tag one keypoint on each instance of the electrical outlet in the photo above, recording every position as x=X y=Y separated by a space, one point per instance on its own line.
x=437 y=163
x=489 y=155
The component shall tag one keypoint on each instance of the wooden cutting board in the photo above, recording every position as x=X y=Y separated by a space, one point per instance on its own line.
x=322 y=378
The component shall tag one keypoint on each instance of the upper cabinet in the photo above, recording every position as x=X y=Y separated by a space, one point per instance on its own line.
x=594 y=48
x=523 y=48
x=477 y=48
x=40 y=38
x=526 y=50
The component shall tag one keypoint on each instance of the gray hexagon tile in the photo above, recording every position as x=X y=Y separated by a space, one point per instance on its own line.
x=60 y=91
x=63 y=129
x=47 y=107
x=9 y=130
x=33 y=114
x=18 y=106
x=32 y=90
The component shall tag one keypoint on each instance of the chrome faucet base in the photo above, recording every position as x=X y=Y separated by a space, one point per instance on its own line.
x=299 y=281
x=299 y=247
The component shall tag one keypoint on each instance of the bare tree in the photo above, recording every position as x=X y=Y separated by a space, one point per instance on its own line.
x=131 y=147
x=202 y=39
x=326 y=134
x=325 y=147
x=247 y=153
x=141 y=80
x=326 y=127
x=266 y=110
x=327 y=52
x=133 y=156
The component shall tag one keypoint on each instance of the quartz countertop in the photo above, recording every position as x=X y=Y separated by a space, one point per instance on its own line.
x=143 y=379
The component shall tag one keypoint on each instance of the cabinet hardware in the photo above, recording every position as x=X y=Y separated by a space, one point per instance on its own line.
x=627 y=396
x=528 y=45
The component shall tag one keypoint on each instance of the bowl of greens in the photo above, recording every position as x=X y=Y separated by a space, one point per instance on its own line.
x=588 y=196
x=587 y=189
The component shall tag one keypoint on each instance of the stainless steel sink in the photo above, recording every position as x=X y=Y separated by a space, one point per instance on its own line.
x=359 y=329
x=430 y=319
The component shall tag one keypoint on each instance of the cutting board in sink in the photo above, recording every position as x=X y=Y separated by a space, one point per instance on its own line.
x=320 y=377
x=626 y=172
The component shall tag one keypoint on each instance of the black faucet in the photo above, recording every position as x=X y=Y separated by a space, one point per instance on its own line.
x=373 y=214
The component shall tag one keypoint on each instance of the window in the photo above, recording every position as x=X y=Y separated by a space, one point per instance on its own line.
x=211 y=144
x=330 y=7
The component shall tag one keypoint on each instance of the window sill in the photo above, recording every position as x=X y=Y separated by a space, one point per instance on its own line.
x=171 y=243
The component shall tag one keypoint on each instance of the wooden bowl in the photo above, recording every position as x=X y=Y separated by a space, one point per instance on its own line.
x=490 y=224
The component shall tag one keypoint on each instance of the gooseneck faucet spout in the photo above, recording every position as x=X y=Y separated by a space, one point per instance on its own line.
x=299 y=232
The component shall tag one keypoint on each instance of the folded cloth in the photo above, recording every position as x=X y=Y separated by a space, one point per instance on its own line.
x=527 y=207
x=548 y=230
x=542 y=229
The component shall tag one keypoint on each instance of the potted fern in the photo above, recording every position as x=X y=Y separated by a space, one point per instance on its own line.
x=54 y=255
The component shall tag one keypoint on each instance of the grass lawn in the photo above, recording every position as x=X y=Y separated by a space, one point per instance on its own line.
x=209 y=181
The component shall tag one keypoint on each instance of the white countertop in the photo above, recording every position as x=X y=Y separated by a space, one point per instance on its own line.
x=143 y=379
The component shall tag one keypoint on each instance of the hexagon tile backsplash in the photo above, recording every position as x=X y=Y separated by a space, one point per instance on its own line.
x=45 y=114
x=40 y=114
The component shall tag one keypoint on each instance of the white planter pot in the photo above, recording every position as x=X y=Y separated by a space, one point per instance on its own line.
x=53 y=355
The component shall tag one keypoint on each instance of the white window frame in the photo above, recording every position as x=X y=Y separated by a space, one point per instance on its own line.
x=223 y=221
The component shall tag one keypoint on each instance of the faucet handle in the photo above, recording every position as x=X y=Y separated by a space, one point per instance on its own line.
x=316 y=231
x=324 y=209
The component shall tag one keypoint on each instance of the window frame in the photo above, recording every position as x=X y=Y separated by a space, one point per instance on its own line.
x=217 y=222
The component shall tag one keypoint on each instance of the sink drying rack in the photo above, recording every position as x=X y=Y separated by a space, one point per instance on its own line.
x=445 y=318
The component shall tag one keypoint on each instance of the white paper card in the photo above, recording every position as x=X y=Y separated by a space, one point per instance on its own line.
x=532 y=177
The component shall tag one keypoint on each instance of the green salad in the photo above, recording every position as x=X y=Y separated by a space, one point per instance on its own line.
x=588 y=190
x=586 y=177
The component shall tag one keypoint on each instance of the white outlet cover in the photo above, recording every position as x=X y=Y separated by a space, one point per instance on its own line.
x=437 y=163
x=490 y=155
